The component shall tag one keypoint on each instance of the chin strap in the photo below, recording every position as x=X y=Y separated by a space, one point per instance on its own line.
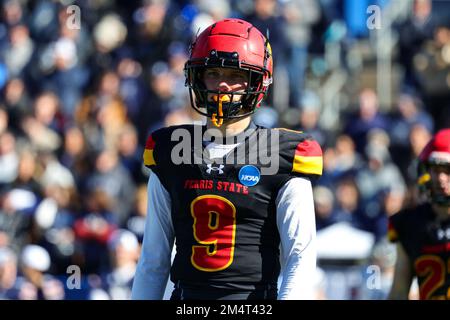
x=220 y=99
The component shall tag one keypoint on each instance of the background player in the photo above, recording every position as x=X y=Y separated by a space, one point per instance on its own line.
x=423 y=233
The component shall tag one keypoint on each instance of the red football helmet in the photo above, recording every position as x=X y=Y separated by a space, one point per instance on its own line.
x=229 y=43
x=435 y=153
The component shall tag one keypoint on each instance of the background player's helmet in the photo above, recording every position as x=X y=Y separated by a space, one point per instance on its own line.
x=436 y=152
x=229 y=43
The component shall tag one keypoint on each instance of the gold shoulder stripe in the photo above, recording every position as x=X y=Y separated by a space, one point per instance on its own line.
x=148 y=158
x=307 y=165
x=392 y=235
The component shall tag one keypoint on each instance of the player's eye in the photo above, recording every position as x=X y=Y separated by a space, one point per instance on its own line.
x=211 y=74
x=437 y=169
x=239 y=76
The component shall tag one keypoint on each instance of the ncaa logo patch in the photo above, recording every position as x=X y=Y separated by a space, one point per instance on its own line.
x=249 y=175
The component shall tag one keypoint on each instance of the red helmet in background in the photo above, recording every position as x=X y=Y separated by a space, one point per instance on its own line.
x=230 y=43
x=435 y=153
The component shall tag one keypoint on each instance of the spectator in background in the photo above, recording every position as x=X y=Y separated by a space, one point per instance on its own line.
x=19 y=50
x=75 y=155
x=329 y=166
x=418 y=138
x=366 y=118
x=409 y=114
x=44 y=30
x=341 y=160
x=136 y=221
x=46 y=110
x=348 y=161
x=15 y=220
x=54 y=219
x=300 y=15
x=266 y=17
x=112 y=178
x=12 y=12
x=108 y=35
x=4 y=119
x=8 y=273
x=209 y=11
x=348 y=203
x=130 y=152
x=379 y=175
x=413 y=33
x=27 y=173
x=324 y=207
x=124 y=249
x=132 y=87
x=34 y=283
x=410 y=111
x=93 y=229
x=39 y=135
x=392 y=201
x=9 y=158
x=62 y=72
x=158 y=105
x=44 y=126
x=177 y=56
x=432 y=67
x=154 y=30
x=310 y=108
x=102 y=114
x=17 y=103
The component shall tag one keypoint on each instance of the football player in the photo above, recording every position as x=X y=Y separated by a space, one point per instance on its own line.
x=423 y=233
x=226 y=208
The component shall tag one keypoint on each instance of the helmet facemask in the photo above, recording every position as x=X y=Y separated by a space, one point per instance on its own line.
x=437 y=196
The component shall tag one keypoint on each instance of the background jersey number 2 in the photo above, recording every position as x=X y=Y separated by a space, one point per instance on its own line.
x=215 y=230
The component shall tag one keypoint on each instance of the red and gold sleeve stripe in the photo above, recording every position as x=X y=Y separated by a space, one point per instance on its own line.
x=149 y=160
x=308 y=158
x=392 y=233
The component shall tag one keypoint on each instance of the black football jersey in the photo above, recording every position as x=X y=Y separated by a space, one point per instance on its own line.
x=223 y=211
x=427 y=243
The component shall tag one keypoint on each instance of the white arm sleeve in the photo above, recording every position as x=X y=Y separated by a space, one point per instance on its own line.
x=297 y=228
x=155 y=260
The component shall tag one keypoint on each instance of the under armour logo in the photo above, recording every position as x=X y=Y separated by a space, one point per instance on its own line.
x=211 y=168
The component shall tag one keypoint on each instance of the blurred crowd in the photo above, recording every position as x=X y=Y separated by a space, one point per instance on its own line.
x=77 y=101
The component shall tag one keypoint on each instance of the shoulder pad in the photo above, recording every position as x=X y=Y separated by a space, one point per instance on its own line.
x=392 y=232
x=396 y=224
x=302 y=153
x=408 y=221
x=149 y=160
x=156 y=142
x=159 y=145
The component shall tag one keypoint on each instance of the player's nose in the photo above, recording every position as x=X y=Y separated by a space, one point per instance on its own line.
x=443 y=176
x=224 y=85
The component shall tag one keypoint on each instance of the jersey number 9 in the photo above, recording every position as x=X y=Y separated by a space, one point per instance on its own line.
x=215 y=230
